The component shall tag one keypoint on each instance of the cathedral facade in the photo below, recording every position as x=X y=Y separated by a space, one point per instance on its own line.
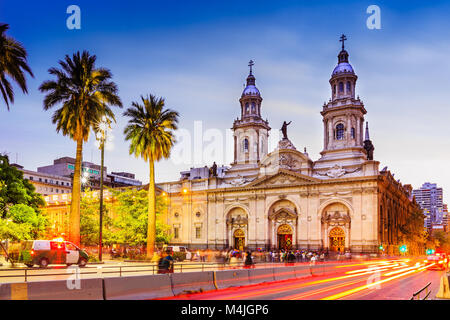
x=283 y=199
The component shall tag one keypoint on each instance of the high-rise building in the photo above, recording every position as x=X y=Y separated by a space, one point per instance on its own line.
x=429 y=197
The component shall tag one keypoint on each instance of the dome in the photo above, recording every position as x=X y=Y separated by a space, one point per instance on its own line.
x=250 y=90
x=343 y=67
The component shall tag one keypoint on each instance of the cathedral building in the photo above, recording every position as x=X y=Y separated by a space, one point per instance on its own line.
x=284 y=199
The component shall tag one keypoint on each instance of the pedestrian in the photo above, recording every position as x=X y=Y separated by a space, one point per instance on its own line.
x=249 y=260
x=165 y=263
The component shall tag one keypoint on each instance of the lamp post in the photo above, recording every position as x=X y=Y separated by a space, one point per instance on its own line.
x=101 y=138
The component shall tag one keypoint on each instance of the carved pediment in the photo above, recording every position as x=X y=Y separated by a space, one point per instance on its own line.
x=335 y=217
x=283 y=214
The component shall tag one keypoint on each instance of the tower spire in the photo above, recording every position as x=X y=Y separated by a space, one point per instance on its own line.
x=251 y=64
x=342 y=39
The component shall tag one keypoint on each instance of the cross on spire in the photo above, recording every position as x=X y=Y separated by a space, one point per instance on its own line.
x=342 y=39
x=251 y=64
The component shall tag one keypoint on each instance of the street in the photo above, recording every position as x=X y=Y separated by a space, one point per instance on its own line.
x=379 y=280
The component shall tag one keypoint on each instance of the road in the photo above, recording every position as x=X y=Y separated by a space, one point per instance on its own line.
x=380 y=280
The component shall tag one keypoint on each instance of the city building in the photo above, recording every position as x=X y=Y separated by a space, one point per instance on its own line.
x=65 y=167
x=430 y=199
x=282 y=198
x=45 y=183
x=122 y=179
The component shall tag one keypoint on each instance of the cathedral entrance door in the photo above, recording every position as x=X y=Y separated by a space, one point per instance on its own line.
x=284 y=235
x=239 y=239
x=337 y=240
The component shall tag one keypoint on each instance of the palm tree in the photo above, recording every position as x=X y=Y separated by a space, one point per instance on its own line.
x=83 y=94
x=150 y=129
x=13 y=64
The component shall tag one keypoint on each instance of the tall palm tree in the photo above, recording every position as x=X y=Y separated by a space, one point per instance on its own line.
x=13 y=64
x=83 y=94
x=150 y=130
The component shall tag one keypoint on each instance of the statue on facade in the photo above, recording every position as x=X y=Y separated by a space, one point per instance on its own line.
x=213 y=170
x=284 y=129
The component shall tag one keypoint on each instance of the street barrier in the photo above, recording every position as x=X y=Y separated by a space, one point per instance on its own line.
x=5 y=291
x=192 y=282
x=283 y=273
x=232 y=278
x=138 y=287
x=260 y=275
x=88 y=289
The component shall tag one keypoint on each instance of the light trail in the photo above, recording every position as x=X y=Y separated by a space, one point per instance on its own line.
x=296 y=286
x=299 y=296
x=367 y=286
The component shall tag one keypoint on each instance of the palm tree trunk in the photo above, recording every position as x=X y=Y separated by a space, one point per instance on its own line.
x=76 y=196
x=151 y=229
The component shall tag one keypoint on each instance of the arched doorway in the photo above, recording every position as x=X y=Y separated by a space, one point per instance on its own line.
x=284 y=236
x=337 y=239
x=239 y=239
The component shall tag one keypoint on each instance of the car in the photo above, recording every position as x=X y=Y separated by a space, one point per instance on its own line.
x=45 y=252
x=181 y=249
x=437 y=261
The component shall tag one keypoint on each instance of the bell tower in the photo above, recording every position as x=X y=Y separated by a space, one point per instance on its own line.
x=343 y=117
x=251 y=132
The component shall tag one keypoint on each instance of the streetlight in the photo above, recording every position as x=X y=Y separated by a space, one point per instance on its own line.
x=101 y=131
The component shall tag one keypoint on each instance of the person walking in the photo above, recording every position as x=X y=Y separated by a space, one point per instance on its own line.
x=249 y=260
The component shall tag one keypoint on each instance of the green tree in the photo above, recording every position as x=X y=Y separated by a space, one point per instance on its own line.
x=412 y=233
x=83 y=94
x=14 y=189
x=13 y=65
x=89 y=219
x=441 y=240
x=24 y=223
x=129 y=225
x=150 y=130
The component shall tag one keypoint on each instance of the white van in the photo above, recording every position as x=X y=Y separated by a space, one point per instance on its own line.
x=178 y=249
x=45 y=252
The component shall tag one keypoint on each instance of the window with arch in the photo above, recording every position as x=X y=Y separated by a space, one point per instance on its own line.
x=246 y=108
x=340 y=131
x=352 y=132
x=334 y=90
x=341 y=87
x=349 y=87
x=245 y=145
x=253 y=107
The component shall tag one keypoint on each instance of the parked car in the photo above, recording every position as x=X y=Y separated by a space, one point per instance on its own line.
x=45 y=252
x=184 y=252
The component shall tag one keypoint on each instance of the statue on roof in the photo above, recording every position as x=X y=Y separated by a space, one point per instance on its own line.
x=284 y=129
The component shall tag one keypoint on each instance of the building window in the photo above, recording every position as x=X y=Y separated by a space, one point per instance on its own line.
x=198 y=232
x=31 y=178
x=245 y=145
x=176 y=233
x=340 y=131
x=353 y=133
x=246 y=108
x=334 y=90
x=40 y=179
x=341 y=87
x=349 y=87
x=253 y=107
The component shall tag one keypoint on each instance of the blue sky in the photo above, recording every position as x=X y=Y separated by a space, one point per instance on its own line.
x=195 y=54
